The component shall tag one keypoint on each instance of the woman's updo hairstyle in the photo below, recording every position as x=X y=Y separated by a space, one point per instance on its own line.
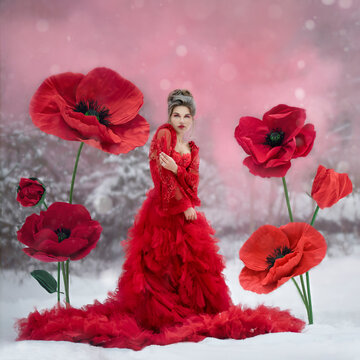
x=180 y=97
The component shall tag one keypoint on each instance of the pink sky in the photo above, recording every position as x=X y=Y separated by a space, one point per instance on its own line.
x=238 y=57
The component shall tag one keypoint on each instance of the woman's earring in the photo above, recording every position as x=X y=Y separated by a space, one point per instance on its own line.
x=192 y=128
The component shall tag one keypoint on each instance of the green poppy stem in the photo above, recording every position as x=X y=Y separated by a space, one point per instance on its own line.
x=287 y=200
x=66 y=269
x=68 y=281
x=65 y=282
x=302 y=282
x=311 y=318
x=74 y=172
x=58 y=269
x=300 y=292
x=314 y=216
x=58 y=284
x=304 y=300
x=305 y=293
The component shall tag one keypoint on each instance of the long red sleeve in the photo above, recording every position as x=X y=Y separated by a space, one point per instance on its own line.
x=188 y=177
x=174 y=198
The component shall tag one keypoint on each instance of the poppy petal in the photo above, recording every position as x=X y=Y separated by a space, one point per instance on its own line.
x=329 y=187
x=261 y=152
x=272 y=157
x=283 y=267
x=134 y=133
x=68 y=246
x=65 y=215
x=54 y=93
x=255 y=169
x=83 y=252
x=345 y=186
x=90 y=231
x=44 y=235
x=260 y=245
x=294 y=232
x=26 y=234
x=252 y=280
x=311 y=242
x=63 y=248
x=109 y=89
x=304 y=141
x=129 y=136
x=86 y=125
x=288 y=119
x=89 y=127
x=318 y=180
x=43 y=256
x=250 y=129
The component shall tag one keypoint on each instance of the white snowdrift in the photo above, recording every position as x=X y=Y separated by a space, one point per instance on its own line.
x=335 y=335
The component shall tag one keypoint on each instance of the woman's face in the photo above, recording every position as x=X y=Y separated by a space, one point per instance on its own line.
x=181 y=119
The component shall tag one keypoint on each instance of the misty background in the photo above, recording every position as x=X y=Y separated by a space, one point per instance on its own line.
x=237 y=57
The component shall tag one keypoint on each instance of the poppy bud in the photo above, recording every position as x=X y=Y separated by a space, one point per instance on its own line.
x=30 y=192
x=329 y=187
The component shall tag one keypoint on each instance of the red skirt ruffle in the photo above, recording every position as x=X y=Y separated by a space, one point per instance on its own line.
x=107 y=327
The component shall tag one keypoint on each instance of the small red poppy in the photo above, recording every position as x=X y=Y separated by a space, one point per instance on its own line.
x=99 y=109
x=276 y=139
x=64 y=231
x=30 y=192
x=274 y=255
x=329 y=187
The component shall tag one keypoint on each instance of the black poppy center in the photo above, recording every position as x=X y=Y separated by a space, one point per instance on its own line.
x=92 y=108
x=275 y=138
x=62 y=234
x=277 y=254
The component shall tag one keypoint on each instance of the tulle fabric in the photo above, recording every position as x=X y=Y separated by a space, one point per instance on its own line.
x=171 y=288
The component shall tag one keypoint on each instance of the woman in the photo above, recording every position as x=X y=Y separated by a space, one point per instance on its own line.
x=171 y=288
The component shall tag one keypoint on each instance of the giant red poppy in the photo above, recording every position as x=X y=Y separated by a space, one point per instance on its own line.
x=64 y=231
x=99 y=109
x=329 y=187
x=274 y=255
x=276 y=139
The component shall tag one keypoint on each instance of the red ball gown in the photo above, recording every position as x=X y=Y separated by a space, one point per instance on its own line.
x=172 y=288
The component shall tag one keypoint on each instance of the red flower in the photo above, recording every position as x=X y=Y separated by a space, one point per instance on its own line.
x=99 y=109
x=64 y=231
x=30 y=192
x=274 y=255
x=276 y=139
x=329 y=187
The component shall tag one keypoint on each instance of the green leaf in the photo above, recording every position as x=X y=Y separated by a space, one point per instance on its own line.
x=46 y=280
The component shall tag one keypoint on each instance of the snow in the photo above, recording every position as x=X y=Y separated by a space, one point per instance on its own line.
x=335 y=335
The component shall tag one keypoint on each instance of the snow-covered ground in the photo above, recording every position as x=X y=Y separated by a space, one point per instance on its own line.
x=335 y=335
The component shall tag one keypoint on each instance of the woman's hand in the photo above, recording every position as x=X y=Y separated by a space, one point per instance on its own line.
x=190 y=214
x=168 y=162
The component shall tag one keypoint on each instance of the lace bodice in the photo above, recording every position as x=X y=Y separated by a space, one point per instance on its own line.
x=176 y=192
x=183 y=160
